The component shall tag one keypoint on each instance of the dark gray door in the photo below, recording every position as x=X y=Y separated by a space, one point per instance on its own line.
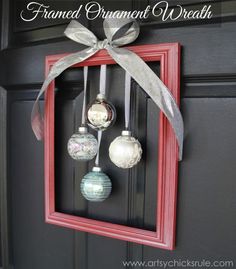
x=206 y=218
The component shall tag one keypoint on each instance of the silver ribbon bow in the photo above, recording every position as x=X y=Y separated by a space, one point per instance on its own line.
x=127 y=59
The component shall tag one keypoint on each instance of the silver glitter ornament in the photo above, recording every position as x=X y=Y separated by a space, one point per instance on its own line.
x=100 y=114
x=96 y=185
x=125 y=151
x=82 y=146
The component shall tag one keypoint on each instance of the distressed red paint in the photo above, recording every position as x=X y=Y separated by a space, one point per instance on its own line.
x=164 y=237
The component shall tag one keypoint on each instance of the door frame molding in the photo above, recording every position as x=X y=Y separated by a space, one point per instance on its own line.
x=4 y=212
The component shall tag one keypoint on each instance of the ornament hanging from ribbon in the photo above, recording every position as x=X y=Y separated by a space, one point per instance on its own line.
x=96 y=186
x=101 y=114
x=83 y=146
x=127 y=59
x=125 y=151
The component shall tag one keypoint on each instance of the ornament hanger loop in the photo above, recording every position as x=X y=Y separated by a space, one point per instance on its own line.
x=102 y=91
x=127 y=99
x=85 y=94
x=103 y=77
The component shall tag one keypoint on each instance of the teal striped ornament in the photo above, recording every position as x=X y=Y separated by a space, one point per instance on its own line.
x=96 y=186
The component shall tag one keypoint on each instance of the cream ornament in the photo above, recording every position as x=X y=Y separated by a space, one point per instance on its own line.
x=125 y=151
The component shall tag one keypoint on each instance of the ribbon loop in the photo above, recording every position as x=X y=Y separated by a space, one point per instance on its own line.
x=113 y=25
x=137 y=69
x=80 y=34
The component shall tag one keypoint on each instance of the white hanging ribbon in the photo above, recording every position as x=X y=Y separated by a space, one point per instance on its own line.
x=103 y=75
x=85 y=94
x=99 y=143
x=127 y=99
x=102 y=90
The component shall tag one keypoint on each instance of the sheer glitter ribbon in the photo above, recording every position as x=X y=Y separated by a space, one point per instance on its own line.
x=127 y=59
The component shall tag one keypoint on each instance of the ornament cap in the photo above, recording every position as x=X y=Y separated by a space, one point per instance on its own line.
x=83 y=129
x=101 y=96
x=97 y=169
x=126 y=133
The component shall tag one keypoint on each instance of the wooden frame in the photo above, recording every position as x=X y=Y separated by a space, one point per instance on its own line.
x=164 y=237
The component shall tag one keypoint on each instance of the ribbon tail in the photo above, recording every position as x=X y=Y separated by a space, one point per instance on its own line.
x=153 y=86
x=37 y=121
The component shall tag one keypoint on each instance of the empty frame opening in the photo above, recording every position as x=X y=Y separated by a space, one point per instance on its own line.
x=133 y=201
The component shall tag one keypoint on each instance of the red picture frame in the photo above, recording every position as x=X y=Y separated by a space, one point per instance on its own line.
x=164 y=237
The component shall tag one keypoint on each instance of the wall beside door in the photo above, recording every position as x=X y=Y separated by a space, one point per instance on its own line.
x=206 y=219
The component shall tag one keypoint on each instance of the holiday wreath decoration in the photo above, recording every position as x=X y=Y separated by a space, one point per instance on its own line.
x=127 y=59
x=125 y=151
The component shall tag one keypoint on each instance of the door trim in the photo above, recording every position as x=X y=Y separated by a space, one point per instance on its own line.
x=4 y=214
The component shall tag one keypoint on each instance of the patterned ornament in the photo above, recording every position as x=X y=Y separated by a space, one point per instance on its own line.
x=82 y=146
x=101 y=114
x=125 y=151
x=96 y=185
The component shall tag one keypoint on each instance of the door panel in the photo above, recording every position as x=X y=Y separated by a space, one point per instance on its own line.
x=206 y=208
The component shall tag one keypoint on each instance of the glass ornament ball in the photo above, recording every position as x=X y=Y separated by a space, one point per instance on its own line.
x=125 y=151
x=100 y=114
x=82 y=146
x=96 y=186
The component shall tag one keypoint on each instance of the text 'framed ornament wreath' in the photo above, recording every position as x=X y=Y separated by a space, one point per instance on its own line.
x=164 y=237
